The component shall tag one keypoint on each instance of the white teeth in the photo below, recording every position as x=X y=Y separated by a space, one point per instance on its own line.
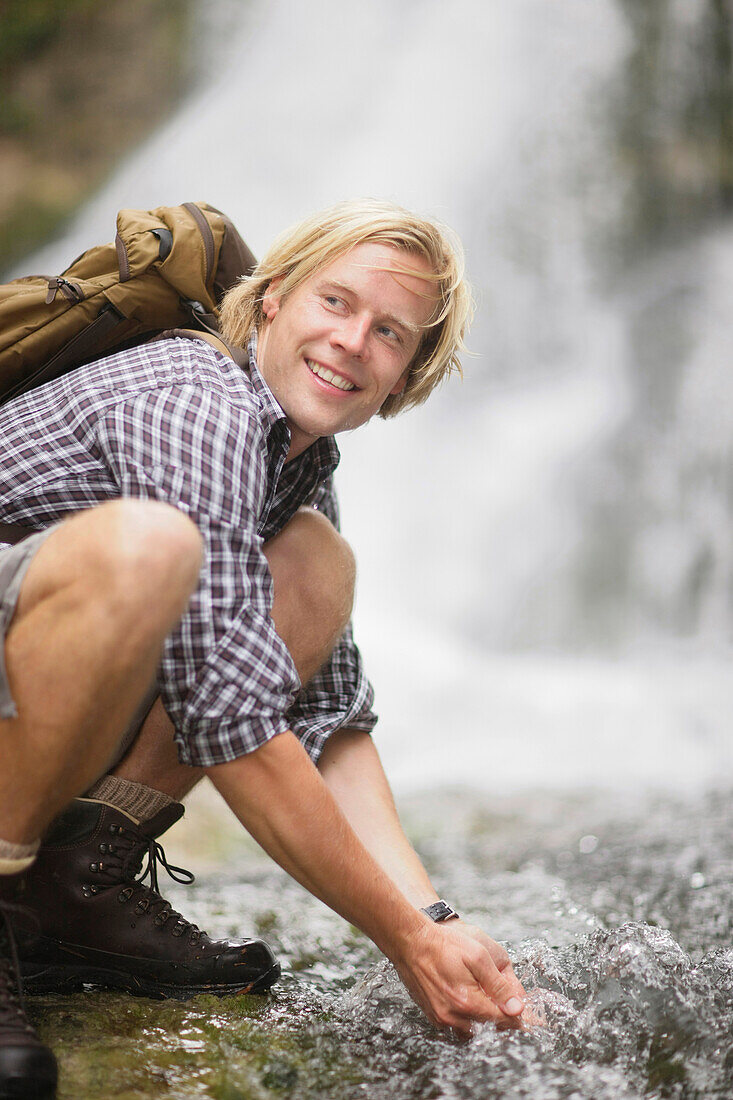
x=328 y=376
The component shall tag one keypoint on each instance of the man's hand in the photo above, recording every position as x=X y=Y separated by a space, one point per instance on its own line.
x=457 y=975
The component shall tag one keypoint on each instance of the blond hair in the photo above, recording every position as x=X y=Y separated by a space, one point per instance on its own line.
x=326 y=236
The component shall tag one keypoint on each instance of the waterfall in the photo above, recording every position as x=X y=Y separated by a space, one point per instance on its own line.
x=572 y=495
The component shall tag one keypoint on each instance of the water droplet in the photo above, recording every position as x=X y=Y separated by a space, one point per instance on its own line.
x=587 y=844
x=697 y=880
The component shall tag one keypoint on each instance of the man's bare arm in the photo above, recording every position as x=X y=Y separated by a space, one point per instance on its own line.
x=353 y=772
x=352 y=769
x=281 y=799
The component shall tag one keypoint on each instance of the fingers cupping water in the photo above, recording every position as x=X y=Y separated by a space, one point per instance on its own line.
x=455 y=979
x=498 y=982
x=496 y=974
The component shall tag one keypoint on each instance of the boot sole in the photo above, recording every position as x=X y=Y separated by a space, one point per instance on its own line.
x=64 y=979
x=37 y=1083
x=25 y=1090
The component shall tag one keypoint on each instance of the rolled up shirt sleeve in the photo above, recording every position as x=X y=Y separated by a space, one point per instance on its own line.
x=226 y=677
x=339 y=696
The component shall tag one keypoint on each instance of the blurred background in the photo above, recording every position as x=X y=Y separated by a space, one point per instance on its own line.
x=545 y=549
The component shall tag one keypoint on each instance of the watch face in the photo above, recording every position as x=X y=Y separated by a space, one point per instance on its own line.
x=439 y=911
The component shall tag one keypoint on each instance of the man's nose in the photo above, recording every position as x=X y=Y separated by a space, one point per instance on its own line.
x=352 y=335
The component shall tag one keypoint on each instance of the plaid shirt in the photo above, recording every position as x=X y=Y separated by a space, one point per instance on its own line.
x=178 y=422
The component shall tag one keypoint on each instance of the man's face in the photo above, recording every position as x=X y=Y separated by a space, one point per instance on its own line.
x=338 y=345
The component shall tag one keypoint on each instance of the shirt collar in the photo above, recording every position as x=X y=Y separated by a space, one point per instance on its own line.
x=323 y=453
x=271 y=408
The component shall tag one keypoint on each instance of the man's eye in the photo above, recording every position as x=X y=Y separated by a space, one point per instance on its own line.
x=390 y=333
x=332 y=300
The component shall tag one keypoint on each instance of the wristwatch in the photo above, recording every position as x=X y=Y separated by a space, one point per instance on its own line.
x=440 y=911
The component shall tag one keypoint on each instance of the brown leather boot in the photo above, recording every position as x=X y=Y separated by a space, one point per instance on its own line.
x=27 y=1067
x=100 y=926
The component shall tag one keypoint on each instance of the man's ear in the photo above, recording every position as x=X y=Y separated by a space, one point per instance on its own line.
x=272 y=298
x=400 y=383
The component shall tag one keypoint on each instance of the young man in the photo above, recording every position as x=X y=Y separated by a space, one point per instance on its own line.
x=186 y=523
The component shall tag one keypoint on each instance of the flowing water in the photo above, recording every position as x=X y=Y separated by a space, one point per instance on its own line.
x=617 y=915
x=546 y=577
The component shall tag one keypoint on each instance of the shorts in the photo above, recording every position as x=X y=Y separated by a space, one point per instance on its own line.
x=14 y=563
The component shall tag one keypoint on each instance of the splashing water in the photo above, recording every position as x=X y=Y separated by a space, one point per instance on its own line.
x=618 y=920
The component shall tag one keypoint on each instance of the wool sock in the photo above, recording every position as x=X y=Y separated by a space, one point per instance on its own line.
x=135 y=799
x=15 y=858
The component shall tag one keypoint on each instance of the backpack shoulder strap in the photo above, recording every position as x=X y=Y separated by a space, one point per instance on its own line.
x=236 y=354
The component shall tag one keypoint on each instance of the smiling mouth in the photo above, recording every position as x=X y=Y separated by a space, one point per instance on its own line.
x=329 y=376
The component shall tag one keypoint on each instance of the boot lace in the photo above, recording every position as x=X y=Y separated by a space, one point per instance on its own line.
x=12 y=1006
x=122 y=865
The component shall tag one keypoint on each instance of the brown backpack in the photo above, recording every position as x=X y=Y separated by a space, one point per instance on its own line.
x=168 y=268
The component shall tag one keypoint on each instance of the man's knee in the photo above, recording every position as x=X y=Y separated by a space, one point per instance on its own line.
x=124 y=552
x=151 y=542
x=309 y=557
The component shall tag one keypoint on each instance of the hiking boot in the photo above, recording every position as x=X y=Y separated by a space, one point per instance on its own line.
x=27 y=1067
x=101 y=926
